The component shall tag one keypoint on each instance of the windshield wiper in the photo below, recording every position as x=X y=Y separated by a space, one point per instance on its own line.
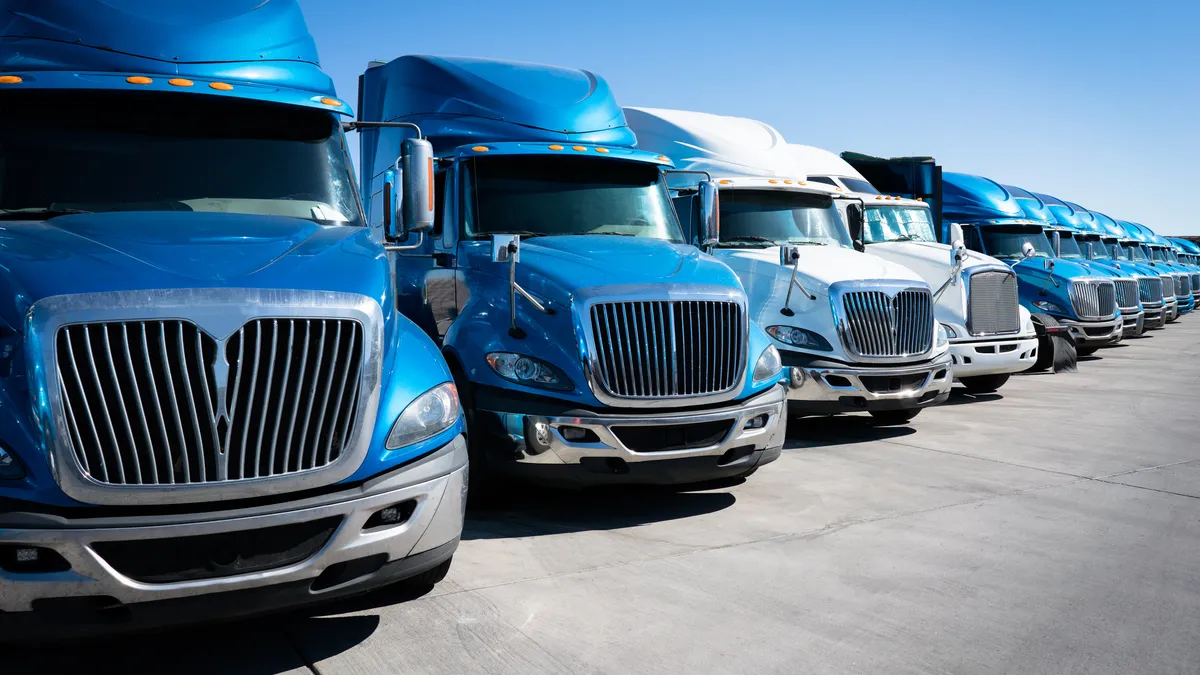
x=37 y=213
x=807 y=242
x=735 y=242
x=520 y=233
x=907 y=237
x=615 y=234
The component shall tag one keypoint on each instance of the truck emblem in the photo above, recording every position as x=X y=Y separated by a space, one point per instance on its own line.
x=220 y=370
x=894 y=317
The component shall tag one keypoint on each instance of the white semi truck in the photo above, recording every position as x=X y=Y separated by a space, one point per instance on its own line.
x=856 y=331
x=991 y=335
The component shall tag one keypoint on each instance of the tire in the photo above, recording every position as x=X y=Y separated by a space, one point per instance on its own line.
x=984 y=384
x=430 y=577
x=1045 y=357
x=887 y=418
x=1086 y=351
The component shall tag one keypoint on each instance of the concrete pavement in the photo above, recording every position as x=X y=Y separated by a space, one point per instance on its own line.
x=1045 y=529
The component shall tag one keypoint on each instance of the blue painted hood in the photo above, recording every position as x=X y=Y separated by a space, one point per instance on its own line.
x=1062 y=213
x=265 y=42
x=1033 y=207
x=974 y=198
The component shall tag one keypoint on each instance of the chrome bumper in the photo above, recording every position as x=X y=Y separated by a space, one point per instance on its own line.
x=993 y=357
x=1155 y=317
x=436 y=520
x=553 y=449
x=1133 y=324
x=1171 y=309
x=1095 y=333
x=826 y=390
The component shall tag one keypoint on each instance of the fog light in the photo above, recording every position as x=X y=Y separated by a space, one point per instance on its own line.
x=26 y=555
x=758 y=421
x=10 y=468
x=573 y=433
x=797 y=378
x=396 y=514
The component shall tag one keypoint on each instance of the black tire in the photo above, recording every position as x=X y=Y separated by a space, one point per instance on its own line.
x=888 y=418
x=1045 y=356
x=430 y=577
x=483 y=484
x=1086 y=351
x=984 y=384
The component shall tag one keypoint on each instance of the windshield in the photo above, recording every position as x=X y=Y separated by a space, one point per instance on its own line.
x=151 y=151
x=1003 y=243
x=1069 y=248
x=858 y=185
x=772 y=217
x=1093 y=248
x=537 y=195
x=898 y=223
x=1158 y=254
x=1131 y=252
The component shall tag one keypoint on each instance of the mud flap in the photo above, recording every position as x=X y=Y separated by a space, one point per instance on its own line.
x=1065 y=357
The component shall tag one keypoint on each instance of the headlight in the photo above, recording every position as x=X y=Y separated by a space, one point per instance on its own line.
x=769 y=364
x=950 y=332
x=10 y=468
x=430 y=414
x=1047 y=306
x=799 y=337
x=942 y=337
x=529 y=371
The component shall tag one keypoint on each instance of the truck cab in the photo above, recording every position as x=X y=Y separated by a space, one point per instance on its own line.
x=1101 y=246
x=208 y=405
x=1056 y=292
x=1163 y=252
x=857 y=332
x=591 y=342
x=1075 y=242
x=1139 y=240
x=1189 y=253
x=991 y=335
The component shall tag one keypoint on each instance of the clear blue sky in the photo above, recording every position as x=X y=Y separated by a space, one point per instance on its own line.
x=1093 y=102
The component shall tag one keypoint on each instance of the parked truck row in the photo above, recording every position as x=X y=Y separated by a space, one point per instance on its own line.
x=236 y=376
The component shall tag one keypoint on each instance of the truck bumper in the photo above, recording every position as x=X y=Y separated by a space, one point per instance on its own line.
x=153 y=571
x=1172 y=310
x=1155 y=317
x=646 y=448
x=1095 y=333
x=828 y=388
x=993 y=357
x=1133 y=324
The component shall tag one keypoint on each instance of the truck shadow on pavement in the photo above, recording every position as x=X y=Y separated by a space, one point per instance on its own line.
x=819 y=432
x=260 y=646
x=536 y=511
x=960 y=396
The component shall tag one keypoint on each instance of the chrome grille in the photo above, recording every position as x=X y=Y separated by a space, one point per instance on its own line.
x=163 y=403
x=993 y=304
x=1168 y=283
x=1195 y=282
x=1127 y=293
x=668 y=348
x=1094 y=299
x=1183 y=286
x=1151 y=290
x=878 y=325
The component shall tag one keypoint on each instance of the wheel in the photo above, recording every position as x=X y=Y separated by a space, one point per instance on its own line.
x=483 y=484
x=430 y=577
x=887 y=418
x=1086 y=351
x=984 y=384
x=1045 y=348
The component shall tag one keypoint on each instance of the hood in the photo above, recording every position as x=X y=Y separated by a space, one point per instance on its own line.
x=1064 y=269
x=557 y=266
x=931 y=253
x=822 y=266
x=141 y=250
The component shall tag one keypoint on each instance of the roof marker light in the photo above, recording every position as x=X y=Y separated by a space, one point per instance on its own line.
x=179 y=82
x=331 y=101
x=480 y=148
x=663 y=158
x=800 y=182
x=220 y=86
x=773 y=181
x=10 y=79
x=878 y=196
x=556 y=147
x=725 y=182
x=603 y=151
x=578 y=148
x=138 y=79
x=787 y=182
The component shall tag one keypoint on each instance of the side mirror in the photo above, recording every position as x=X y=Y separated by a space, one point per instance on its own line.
x=854 y=222
x=506 y=248
x=788 y=255
x=1056 y=243
x=1116 y=251
x=958 y=249
x=417 y=202
x=1027 y=250
x=1048 y=263
x=710 y=214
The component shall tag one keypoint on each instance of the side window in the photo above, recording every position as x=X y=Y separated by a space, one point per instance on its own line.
x=821 y=179
x=466 y=204
x=973 y=240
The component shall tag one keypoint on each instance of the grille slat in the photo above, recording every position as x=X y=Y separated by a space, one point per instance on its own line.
x=144 y=406
x=668 y=348
x=1150 y=290
x=1127 y=294
x=1094 y=298
x=993 y=305
x=878 y=325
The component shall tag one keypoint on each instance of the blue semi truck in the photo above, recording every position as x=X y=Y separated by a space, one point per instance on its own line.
x=1163 y=252
x=1189 y=253
x=1071 y=241
x=1174 y=278
x=1129 y=251
x=209 y=406
x=1058 y=293
x=590 y=341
